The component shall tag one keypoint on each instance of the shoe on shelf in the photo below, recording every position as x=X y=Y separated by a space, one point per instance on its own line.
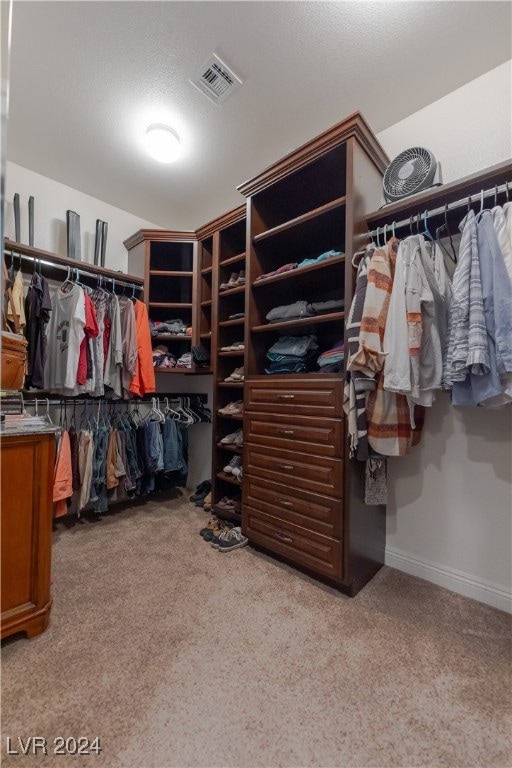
x=234 y=539
x=232 y=409
x=233 y=465
x=231 y=283
x=236 y=346
x=237 y=472
x=239 y=438
x=241 y=277
x=227 y=504
x=237 y=375
x=233 y=438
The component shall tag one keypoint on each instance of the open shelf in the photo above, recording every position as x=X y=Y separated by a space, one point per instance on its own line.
x=230 y=384
x=229 y=479
x=169 y=273
x=173 y=370
x=207 y=271
x=206 y=303
x=173 y=337
x=227 y=514
x=299 y=220
x=232 y=260
x=238 y=353
x=297 y=274
x=304 y=321
x=230 y=448
x=231 y=291
x=232 y=417
x=169 y=304
x=206 y=335
x=236 y=321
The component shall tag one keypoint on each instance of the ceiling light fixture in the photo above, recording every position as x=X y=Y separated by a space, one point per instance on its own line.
x=163 y=143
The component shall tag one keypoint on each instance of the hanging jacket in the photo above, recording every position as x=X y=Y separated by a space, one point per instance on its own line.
x=144 y=378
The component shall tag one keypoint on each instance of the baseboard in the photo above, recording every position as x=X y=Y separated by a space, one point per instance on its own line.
x=456 y=581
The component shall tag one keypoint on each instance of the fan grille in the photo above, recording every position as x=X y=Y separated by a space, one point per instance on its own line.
x=410 y=172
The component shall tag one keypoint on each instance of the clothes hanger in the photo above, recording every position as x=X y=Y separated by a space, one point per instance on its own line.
x=426 y=231
x=453 y=255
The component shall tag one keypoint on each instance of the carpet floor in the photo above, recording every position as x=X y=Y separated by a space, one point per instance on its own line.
x=176 y=655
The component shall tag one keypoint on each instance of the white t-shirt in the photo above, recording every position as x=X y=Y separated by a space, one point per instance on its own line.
x=64 y=333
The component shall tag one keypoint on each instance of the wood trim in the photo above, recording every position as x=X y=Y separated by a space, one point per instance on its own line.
x=38 y=253
x=353 y=125
x=221 y=222
x=446 y=193
x=159 y=235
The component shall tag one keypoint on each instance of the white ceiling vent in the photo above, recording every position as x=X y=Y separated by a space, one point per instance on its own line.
x=216 y=80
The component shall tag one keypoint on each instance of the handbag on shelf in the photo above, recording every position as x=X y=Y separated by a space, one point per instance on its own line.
x=200 y=355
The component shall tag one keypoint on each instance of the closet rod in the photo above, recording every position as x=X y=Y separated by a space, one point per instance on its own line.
x=469 y=200
x=101 y=401
x=68 y=268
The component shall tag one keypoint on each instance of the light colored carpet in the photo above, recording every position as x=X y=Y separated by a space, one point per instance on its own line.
x=176 y=655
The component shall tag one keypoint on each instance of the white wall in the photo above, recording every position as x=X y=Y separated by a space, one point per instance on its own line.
x=450 y=502
x=51 y=201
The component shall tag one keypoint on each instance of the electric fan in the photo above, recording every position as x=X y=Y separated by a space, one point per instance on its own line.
x=412 y=171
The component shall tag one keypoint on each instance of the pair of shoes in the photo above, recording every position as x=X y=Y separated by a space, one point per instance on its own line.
x=234 y=281
x=237 y=375
x=233 y=467
x=232 y=539
x=214 y=528
x=235 y=438
x=205 y=501
x=236 y=316
x=236 y=408
x=236 y=346
x=230 y=504
x=201 y=491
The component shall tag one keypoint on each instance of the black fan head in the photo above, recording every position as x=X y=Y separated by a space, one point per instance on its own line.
x=410 y=172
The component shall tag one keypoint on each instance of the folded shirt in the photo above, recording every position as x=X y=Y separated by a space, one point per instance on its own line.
x=322 y=257
x=290 y=311
x=294 y=345
x=284 y=268
x=331 y=368
x=323 y=307
x=177 y=326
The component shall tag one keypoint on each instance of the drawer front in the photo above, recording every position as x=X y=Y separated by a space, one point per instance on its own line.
x=308 y=510
x=308 y=398
x=321 y=474
x=306 y=434
x=322 y=554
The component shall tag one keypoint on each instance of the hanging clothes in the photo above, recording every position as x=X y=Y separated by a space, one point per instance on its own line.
x=129 y=346
x=114 y=357
x=63 y=476
x=65 y=333
x=143 y=381
x=38 y=307
x=18 y=300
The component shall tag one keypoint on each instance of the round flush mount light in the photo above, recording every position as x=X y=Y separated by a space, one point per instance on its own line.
x=163 y=143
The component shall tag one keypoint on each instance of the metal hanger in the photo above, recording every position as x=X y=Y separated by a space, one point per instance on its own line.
x=426 y=231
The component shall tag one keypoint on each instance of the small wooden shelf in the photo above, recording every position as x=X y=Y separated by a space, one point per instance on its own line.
x=232 y=260
x=296 y=273
x=238 y=353
x=206 y=303
x=229 y=479
x=173 y=370
x=323 y=209
x=227 y=514
x=230 y=448
x=231 y=291
x=233 y=417
x=206 y=335
x=316 y=320
x=207 y=271
x=230 y=384
x=236 y=321
x=174 y=337
x=169 y=273
x=169 y=305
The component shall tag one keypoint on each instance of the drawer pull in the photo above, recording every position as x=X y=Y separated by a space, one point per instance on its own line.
x=285 y=503
x=285 y=432
x=286 y=397
x=283 y=537
x=286 y=467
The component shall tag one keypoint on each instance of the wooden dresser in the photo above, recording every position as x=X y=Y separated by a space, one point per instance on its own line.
x=26 y=512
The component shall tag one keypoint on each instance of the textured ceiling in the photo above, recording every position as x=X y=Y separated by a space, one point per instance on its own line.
x=87 y=77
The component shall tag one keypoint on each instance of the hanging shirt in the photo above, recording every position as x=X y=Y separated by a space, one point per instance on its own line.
x=38 y=307
x=129 y=344
x=18 y=301
x=63 y=476
x=91 y=330
x=502 y=220
x=144 y=379
x=65 y=334
x=114 y=359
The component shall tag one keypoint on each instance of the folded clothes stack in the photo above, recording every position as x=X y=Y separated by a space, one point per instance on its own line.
x=292 y=354
x=299 y=265
x=331 y=361
x=162 y=358
x=169 y=328
x=185 y=361
x=299 y=309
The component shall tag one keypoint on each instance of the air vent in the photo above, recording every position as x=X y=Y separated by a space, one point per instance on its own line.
x=216 y=80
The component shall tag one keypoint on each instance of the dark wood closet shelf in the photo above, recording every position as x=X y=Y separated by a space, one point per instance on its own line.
x=230 y=384
x=175 y=370
x=206 y=303
x=230 y=448
x=232 y=260
x=238 y=353
x=236 y=321
x=169 y=273
x=227 y=514
x=231 y=291
x=229 y=479
x=317 y=320
x=38 y=253
x=207 y=271
x=169 y=305
x=233 y=417
x=206 y=335
x=296 y=273
x=306 y=217
x=174 y=337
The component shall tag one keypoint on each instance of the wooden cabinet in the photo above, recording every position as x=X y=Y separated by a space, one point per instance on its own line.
x=303 y=497
x=168 y=262
x=26 y=513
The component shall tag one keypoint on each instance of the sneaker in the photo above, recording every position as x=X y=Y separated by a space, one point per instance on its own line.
x=211 y=525
x=232 y=409
x=233 y=465
x=228 y=504
x=214 y=533
x=234 y=539
x=237 y=375
x=227 y=528
x=234 y=438
x=207 y=504
x=239 y=438
x=201 y=490
x=231 y=283
x=238 y=473
x=236 y=346
x=241 y=278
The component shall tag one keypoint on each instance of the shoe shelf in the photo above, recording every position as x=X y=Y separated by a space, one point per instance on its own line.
x=169 y=305
x=226 y=514
x=328 y=267
x=228 y=479
x=232 y=416
x=228 y=323
x=207 y=303
x=300 y=224
x=229 y=447
x=207 y=271
x=234 y=353
x=230 y=384
x=231 y=291
x=169 y=273
x=232 y=260
x=170 y=337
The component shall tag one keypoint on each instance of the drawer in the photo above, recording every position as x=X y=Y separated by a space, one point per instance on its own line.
x=321 y=474
x=309 y=510
x=306 y=434
x=308 y=397
x=321 y=554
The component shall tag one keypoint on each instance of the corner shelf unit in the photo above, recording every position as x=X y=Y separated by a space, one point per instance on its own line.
x=303 y=498
x=169 y=266
x=222 y=245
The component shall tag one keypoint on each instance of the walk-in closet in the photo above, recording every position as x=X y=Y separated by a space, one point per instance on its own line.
x=256 y=383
